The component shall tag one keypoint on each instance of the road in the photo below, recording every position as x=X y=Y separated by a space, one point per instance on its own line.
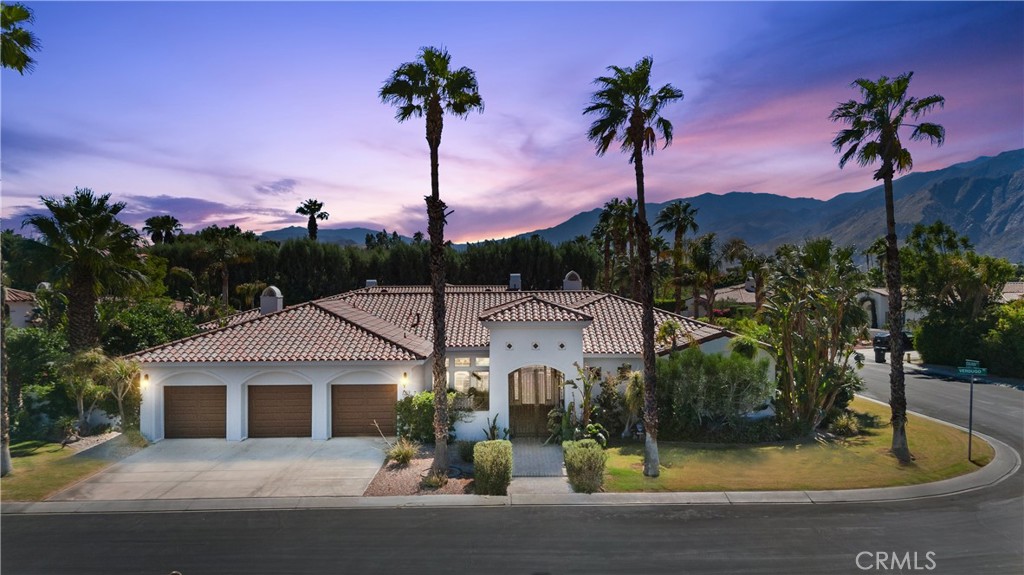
x=979 y=532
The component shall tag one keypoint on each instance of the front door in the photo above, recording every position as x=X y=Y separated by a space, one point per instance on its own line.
x=532 y=393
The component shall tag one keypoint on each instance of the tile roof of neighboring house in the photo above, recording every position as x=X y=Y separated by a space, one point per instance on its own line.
x=12 y=295
x=390 y=323
x=232 y=319
x=1013 y=291
x=532 y=308
x=304 y=332
x=736 y=293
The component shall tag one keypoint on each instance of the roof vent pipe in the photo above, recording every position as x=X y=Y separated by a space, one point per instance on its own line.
x=515 y=282
x=271 y=300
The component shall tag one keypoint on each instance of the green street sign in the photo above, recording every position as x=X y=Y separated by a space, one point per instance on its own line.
x=972 y=370
x=971 y=363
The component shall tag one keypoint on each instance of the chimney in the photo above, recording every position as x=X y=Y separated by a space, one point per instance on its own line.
x=371 y=283
x=749 y=284
x=515 y=282
x=572 y=282
x=271 y=300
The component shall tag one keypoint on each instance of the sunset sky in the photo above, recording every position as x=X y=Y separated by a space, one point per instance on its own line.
x=221 y=113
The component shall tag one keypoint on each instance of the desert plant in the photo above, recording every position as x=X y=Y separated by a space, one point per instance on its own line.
x=595 y=432
x=465 y=449
x=584 y=464
x=434 y=481
x=402 y=451
x=492 y=463
x=845 y=425
x=415 y=416
x=491 y=431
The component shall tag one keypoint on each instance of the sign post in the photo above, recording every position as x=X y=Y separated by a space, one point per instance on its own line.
x=971 y=367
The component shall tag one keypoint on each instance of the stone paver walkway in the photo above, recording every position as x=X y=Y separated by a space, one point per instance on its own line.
x=531 y=458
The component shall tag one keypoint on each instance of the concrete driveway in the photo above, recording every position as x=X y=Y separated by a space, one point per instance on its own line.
x=215 y=468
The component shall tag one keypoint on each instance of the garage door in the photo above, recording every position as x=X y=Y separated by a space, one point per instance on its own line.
x=280 y=411
x=355 y=407
x=195 y=411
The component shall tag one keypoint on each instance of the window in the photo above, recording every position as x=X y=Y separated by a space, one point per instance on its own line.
x=473 y=386
x=483 y=362
x=461 y=362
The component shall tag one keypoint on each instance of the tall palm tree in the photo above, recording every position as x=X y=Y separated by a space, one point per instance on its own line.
x=874 y=135
x=161 y=229
x=706 y=258
x=629 y=112
x=313 y=209
x=15 y=40
x=430 y=87
x=678 y=218
x=602 y=236
x=95 y=251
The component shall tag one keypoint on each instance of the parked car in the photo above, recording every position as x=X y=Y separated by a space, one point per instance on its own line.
x=881 y=344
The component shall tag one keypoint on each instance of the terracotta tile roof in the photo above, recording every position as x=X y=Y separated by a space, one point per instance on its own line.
x=305 y=332
x=1013 y=291
x=232 y=319
x=737 y=293
x=532 y=308
x=389 y=323
x=12 y=295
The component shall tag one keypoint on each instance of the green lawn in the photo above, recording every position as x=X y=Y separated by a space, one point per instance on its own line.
x=940 y=452
x=41 y=468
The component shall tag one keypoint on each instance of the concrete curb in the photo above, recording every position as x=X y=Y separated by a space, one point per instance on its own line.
x=1005 y=462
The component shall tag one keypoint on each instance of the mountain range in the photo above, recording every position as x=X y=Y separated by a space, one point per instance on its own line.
x=982 y=199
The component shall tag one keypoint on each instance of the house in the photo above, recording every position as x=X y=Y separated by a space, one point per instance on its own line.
x=336 y=366
x=19 y=305
x=1012 y=291
x=743 y=293
x=875 y=302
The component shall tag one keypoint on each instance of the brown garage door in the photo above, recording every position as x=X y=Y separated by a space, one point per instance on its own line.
x=280 y=410
x=354 y=408
x=195 y=411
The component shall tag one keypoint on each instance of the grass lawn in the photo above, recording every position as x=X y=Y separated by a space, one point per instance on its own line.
x=42 y=468
x=864 y=461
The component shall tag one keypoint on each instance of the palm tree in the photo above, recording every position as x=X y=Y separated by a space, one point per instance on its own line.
x=629 y=112
x=16 y=41
x=161 y=229
x=313 y=209
x=678 y=218
x=430 y=87
x=873 y=135
x=706 y=258
x=95 y=252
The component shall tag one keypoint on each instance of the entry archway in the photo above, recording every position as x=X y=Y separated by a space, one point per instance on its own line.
x=533 y=391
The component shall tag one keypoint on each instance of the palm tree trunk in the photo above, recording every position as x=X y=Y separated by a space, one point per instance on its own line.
x=5 y=417
x=894 y=283
x=607 y=284
x=82 y=329
x=677 y=269
x=311 y=226
x=435 y=228
x=652 y=461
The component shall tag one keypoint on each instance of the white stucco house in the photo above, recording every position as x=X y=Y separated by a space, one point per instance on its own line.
x=19 y=305
x=875 y=302
x=334 y=366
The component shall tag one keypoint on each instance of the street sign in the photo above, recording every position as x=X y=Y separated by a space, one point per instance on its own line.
x=972 y=363
x=972 y=370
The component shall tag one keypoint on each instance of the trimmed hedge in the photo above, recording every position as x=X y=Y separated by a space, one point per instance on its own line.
x=492 y=464
x=584 y=463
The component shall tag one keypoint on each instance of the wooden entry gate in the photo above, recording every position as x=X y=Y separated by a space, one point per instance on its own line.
x=533 y=391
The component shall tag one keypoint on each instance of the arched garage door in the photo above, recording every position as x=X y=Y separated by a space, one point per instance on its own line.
x=354 y=408
x=193 y=411
x=280 y=410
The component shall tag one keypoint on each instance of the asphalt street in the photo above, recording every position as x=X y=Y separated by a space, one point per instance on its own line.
x=978 y=532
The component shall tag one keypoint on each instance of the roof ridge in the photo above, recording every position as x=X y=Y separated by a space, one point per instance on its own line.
x=498 y=309
x=217 y=330
x=409 y=340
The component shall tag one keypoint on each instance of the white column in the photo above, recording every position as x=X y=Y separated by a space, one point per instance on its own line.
x=236 y=413
x=321 y=410
x=151 y=410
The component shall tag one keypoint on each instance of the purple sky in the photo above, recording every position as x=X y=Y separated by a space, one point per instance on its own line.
x=236 y=112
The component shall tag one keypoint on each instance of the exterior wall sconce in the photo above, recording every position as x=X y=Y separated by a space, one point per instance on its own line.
x=145 y=380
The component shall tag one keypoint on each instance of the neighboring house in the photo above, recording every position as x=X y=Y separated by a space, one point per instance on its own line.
x=334 y=366
x=875 y=302
x=740 y=293
x=19 y=304
x=1012 y=291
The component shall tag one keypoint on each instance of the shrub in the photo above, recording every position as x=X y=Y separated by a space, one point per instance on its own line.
x=492 y=463
x=1003 y=345
x=403 y=451
x=415 y=416
x=465 y=450
x=432 y=481
x=584 y=463
x=845 y=425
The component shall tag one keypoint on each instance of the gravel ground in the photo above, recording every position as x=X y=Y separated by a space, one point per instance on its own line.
x=393 y=479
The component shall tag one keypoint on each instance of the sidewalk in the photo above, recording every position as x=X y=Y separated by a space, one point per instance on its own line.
x=1005 y=463
x=944 y=371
